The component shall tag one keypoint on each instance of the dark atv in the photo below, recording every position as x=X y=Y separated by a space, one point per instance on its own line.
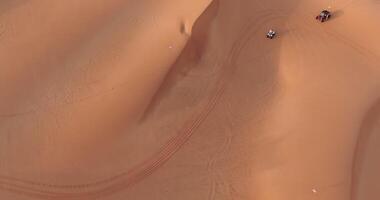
x=323 y=16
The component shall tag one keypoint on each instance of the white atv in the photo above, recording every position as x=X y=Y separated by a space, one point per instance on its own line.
x=271 y=34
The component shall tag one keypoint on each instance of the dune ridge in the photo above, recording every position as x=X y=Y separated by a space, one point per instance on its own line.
x=188 y=100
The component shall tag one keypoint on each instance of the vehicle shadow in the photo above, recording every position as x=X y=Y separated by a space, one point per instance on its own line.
x=337 y=14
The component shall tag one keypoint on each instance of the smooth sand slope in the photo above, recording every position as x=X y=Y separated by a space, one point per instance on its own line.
x=167 y=100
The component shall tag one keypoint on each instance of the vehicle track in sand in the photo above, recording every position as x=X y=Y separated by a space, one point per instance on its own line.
x=136 y=174
x=362 y=50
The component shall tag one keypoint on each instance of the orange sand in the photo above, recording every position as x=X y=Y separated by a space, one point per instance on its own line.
x=187 y=100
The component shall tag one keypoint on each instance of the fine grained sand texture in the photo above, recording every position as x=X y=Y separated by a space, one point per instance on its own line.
x=168 y=100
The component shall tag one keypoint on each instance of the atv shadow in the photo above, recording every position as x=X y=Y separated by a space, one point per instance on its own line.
x=336 y=14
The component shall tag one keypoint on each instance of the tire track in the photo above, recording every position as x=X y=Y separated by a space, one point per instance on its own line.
x=94 y=94
x=202 y=116
x=211 y=166
x=51 y=185
x=149 y=166
x=212 y=191
x=357 y=47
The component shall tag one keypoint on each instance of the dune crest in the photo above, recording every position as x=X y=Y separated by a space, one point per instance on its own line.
x=188 y=100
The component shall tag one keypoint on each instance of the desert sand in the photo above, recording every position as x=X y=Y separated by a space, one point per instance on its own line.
x=188 y=100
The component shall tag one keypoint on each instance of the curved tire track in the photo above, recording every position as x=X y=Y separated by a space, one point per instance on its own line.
x=150 y=165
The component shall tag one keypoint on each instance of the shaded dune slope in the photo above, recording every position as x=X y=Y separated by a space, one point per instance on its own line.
x=188 y=100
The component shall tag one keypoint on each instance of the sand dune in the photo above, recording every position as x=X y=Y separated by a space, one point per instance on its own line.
x=189 y=100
